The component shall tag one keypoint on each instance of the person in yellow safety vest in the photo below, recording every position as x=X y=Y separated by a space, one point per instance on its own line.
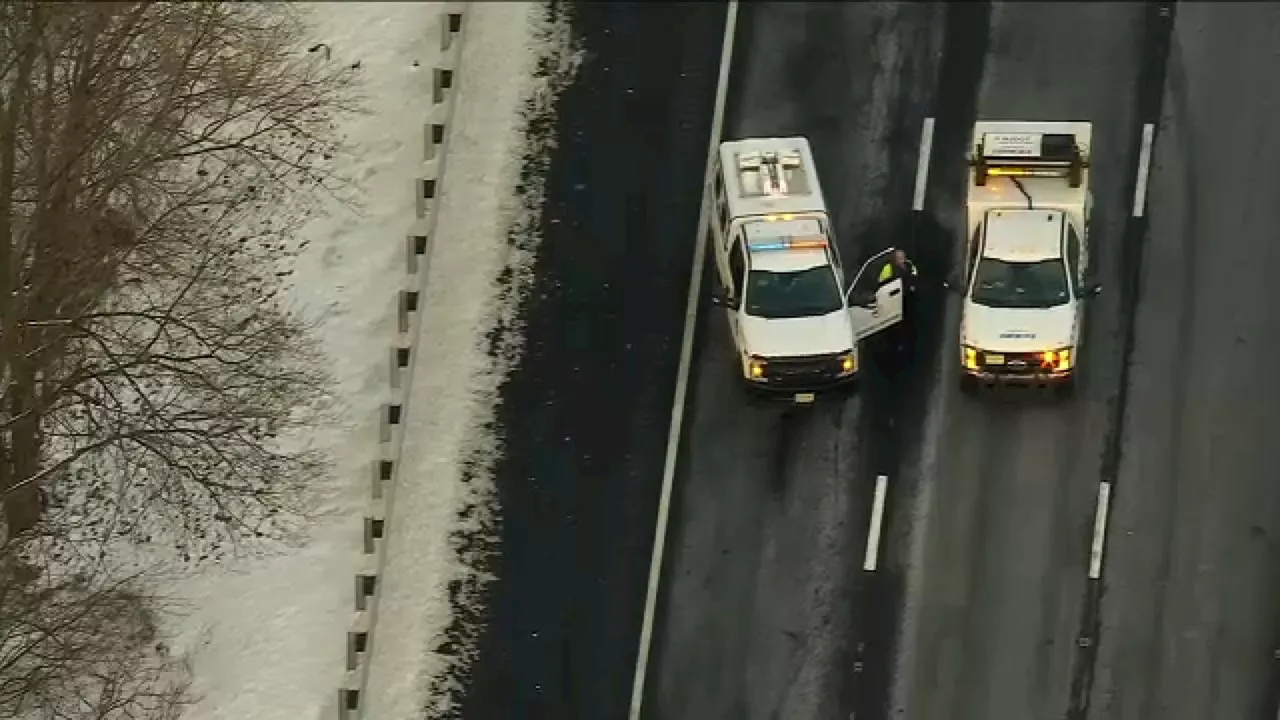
x=899 y=267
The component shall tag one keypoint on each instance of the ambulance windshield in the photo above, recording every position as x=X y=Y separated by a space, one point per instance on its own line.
x=801 y=293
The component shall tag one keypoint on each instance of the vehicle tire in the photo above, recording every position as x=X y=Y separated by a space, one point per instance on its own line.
x=1067 y=389
x=966 y=384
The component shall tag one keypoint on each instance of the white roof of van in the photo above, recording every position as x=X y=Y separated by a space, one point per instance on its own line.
x=744 y=190
x=1021 y=235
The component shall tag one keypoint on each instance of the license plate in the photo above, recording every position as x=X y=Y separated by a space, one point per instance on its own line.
x=804 y=398
x=992 y=359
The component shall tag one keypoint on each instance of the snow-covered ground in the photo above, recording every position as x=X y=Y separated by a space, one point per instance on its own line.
x=514 y=60
x=266 y=634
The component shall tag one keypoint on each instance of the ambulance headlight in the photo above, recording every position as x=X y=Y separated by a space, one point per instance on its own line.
x=848 y=363
x=970 y=357
x=1057 y=360
x=755 y=369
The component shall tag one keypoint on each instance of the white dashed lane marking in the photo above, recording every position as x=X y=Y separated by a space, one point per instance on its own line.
x=872 y=556
x=1099 y=531
x=922 y=164
x=1144 y=170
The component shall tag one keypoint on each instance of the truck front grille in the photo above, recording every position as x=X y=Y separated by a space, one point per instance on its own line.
x=1018 y=364
x=802 y=370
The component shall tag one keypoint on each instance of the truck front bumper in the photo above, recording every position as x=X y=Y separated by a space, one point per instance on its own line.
x=1039 y=378
x=805 y=392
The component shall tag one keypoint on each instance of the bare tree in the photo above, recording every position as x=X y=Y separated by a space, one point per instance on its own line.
x=77 y=647
x=154 y=161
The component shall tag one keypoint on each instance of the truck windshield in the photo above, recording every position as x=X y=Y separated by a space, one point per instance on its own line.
x=801 y=293
x=1001 y=284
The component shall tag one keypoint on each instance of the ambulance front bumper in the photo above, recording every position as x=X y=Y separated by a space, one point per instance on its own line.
x=803 y=380
x=802 y=393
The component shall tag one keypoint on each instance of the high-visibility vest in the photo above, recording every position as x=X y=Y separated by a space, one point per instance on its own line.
x=886 y=272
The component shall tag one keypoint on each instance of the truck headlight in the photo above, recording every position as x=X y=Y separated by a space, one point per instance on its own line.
x=1057 y=360
x=755 y=368
x=970 y=357
x=848 y=363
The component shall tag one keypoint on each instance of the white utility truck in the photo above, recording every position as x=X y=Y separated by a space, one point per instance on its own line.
x=795 y=323
x=1026 y=273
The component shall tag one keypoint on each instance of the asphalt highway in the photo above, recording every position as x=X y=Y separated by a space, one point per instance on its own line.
x=584 y=414
x=764 y=604
x=1191 y=614
x=1003 y=520
x=982 y=602
x=985 y=578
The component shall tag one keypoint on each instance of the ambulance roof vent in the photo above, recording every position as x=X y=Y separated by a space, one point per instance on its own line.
x=771 y=173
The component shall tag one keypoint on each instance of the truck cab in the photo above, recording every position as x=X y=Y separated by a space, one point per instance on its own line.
x=795 y=318
x=1026 y=275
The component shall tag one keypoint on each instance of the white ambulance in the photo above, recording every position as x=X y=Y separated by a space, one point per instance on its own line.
x=795 y=320
x=1026 y=272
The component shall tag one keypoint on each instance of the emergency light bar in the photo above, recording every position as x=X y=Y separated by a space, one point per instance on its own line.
x=1037 y=155
x=790 y=243
x=754 y=160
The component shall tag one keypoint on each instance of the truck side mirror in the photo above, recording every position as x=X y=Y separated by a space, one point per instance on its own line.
x=721 y=299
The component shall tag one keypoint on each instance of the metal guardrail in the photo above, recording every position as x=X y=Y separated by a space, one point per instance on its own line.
x=360 y=634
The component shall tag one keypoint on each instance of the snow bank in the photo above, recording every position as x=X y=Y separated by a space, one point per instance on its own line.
x=515 y=58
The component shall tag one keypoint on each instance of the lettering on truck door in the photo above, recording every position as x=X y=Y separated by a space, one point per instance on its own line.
x=1076 y=261
x=1078 y=264
x=971 y=262
x=719 y=226
x=1083 y=244
x=737 y=285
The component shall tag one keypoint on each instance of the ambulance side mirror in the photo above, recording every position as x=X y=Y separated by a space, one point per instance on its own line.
x=952 y=284
x=1092 y=289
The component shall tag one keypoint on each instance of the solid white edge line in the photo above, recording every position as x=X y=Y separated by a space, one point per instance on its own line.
x=1144 y=170
x=1099 y=531
x=682 y=372
x=922 y=164
x=877 y=518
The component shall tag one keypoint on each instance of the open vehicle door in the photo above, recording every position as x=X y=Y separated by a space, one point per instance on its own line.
x=872 y=306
